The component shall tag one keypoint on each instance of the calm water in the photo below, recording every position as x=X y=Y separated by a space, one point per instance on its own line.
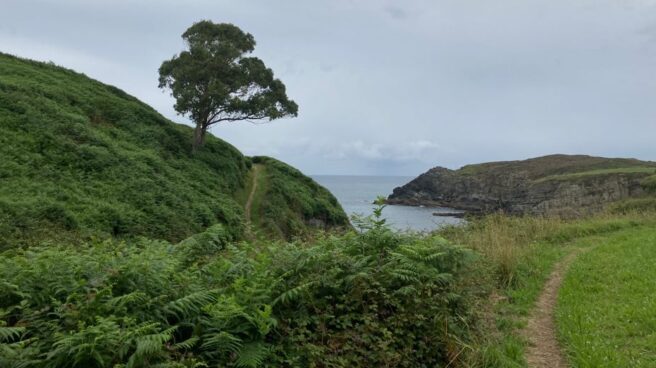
x=356 y=193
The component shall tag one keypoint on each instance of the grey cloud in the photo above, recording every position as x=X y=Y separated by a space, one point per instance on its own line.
x=407 y=151
x=396 y=12
x=649 y=31
x=327 y=67
x=477 y=80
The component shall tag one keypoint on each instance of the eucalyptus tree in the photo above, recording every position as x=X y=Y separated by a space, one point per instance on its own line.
x=215 y=80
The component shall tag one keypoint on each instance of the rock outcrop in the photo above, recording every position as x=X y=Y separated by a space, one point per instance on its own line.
x=557 y=184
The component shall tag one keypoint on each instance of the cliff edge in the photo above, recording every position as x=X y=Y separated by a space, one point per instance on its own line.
x=566 y=185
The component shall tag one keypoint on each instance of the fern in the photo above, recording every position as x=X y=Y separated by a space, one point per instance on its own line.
x=293 y=294
x=252 y=355
x=221 y=342
x=190 y=304
x=11 y=333
x=149 y=345
x=136 y=297
x=358 y=299
x=188 y=344
x=406 y=291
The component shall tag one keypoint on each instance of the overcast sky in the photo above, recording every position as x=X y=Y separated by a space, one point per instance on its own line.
x=389 y=87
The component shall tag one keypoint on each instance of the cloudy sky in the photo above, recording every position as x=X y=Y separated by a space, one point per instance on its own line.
x=389 y=87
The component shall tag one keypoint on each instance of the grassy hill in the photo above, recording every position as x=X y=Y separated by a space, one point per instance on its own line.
x=561 y=166
x=284 y=194
x=82 y=157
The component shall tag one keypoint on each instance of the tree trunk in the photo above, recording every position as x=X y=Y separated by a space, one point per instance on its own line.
x=199 y=137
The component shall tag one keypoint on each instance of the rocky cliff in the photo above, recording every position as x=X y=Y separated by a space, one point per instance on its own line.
x=557 y=184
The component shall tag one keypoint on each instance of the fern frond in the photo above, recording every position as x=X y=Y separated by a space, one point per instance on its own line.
x=136 y=297
x=293 y=293
x=222 y=342
x=10 y=333
x=187 y=344
x=252 y=355
x=148 y=345
x=405 y=275
x=406 y=290
x=191 y=304
x=443 y=278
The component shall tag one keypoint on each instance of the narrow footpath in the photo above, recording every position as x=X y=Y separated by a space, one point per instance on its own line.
x=543 y=350
x=249 y=202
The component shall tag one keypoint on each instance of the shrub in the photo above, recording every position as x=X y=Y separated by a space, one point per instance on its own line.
x=649 y=184
x=360 y=300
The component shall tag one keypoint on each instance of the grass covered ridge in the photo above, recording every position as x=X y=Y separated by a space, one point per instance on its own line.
x=82 y=157
x=288 y=202
x=561 y=166
x=623 y=170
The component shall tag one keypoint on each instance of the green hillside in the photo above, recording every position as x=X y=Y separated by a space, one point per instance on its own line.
x=82 y=157
x=285 y=193
x=561 y=167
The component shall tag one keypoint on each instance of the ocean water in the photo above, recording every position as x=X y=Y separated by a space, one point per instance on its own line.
x=357 y=193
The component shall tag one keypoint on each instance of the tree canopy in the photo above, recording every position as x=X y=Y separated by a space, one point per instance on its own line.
x=214 y=80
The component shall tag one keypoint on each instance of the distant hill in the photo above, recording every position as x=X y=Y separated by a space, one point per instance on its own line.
x=555 y=184
x=81 y=158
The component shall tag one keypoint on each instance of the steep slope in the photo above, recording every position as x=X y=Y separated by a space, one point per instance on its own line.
x=556 y=184
x=290 y=201
x=81 y=157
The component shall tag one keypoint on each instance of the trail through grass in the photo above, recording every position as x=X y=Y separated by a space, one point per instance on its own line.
x=253 y=188
x=606 y=312
x=520 y=254
x=543 y=350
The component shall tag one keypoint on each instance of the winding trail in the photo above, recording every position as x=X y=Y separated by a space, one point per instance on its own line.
x=249 y=202
x=543 y=350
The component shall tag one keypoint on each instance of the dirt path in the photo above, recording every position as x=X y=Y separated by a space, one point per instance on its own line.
x=543 y=350
x=249 y=201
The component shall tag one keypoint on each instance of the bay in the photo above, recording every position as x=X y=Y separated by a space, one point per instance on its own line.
x=356 y=194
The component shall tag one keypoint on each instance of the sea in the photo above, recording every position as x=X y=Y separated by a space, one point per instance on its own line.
x=356 y=194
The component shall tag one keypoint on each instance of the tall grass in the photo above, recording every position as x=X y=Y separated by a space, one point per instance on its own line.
x=503 y=240
x=518 y=254
x=508 y=241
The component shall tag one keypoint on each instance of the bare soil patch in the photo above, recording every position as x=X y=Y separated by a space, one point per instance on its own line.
x=543 y=350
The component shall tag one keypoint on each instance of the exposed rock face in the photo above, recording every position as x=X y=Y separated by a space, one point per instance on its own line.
x=558 y=184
